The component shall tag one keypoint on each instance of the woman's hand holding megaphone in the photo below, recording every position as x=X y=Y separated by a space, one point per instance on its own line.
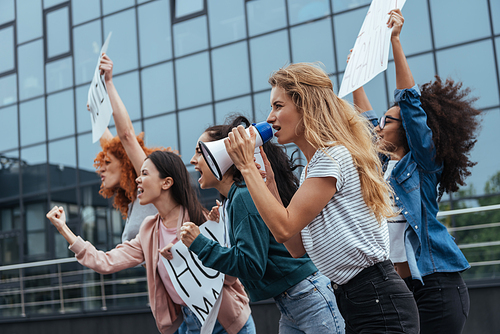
x=240 y=147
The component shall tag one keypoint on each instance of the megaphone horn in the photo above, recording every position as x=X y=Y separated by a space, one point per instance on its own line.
x=215 y=152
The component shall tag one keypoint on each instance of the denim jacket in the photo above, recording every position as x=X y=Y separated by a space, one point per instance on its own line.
x=429 y=246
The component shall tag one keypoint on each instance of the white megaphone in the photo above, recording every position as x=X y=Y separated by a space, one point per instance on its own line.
x=215 y=152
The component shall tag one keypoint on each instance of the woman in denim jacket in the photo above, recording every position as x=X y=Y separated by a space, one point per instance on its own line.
x=428 y=135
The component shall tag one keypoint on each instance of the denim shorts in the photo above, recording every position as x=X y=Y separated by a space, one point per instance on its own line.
x=377 y=300
x=309 y=307
x=192 y=325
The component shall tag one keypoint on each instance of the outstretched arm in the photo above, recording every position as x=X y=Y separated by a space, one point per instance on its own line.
x=404 y=78
x=124 y=127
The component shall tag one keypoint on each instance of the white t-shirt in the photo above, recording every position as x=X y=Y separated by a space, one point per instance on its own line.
x=396 y=225
x=345 y=237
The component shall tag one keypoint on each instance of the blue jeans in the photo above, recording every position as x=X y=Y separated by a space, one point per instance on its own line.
x=309 y=307
x=443 y=302
x=377 y=300
x=192 y=325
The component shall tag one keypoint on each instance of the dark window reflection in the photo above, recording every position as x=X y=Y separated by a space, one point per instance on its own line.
x=230 y=70
x=30 y=69
x=35 y=228
x=7 y=50
x=305 y=10
x=8 y=128
x=192 y=123
x=34 y=169
x=57 y=32
x=268 y=53
x=32 y=121
x=10 y=235
x=227 y=21
x=28 y=19
x=155 y=38
x=9 y=174
x=158 y=91
x=264 y=16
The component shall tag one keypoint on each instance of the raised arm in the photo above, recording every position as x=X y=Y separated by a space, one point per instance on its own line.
x=404 y=78
x=124 y=127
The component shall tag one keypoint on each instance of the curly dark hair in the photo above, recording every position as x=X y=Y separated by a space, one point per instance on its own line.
x=126 y=192
x=454 y=124
x=283 y=167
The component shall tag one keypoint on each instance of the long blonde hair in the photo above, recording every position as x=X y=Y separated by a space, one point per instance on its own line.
x=330 y=121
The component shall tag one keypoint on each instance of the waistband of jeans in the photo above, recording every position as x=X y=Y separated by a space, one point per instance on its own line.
x=410 y=280
x=379 y=269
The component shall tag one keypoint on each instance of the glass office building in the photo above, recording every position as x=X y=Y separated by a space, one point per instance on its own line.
x=183 y=65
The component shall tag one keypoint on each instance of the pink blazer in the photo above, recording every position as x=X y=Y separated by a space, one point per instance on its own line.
x=234 y=310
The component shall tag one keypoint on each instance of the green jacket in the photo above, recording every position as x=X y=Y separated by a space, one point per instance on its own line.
x=263 y=265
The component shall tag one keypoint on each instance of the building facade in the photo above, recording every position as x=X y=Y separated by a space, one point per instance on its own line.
x=181 y=66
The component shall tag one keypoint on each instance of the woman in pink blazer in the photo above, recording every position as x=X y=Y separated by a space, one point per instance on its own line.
x=163 y=182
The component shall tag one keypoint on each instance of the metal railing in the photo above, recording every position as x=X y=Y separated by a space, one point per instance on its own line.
x=63 y=286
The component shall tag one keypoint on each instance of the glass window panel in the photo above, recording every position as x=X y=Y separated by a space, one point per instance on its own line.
x=34 y=212
x=61 y=117
x=30 y=69
x=158 y=94
x=127 y=86
x=34 y=173
x=262 y=105
x=193 y=80
x=422 y=69
x=190 y=36
x=62 y=163
x=487 y=163
x=155 y=39
x=264 y=16
x=32 y=121
x=87 y=152
x=416 y=24
x=86 y=47
x=227 y=21
x=84 y=10
x=29 y=20
x=341 y=5
x=6 y=11
x=8 y=128
x=347 y=27
x=376 y=92
x=456 y=21
x=192 y=123
x=319 y=48
x=57 y=32
x=9 y=174
x=240 y=106
x=50 y=3
x=8 y=89
x=186 y=7
x=268 y=53
x=480 y=77
x=231 y=74
x=305 y=10
x=110 y=6
x=162 y=131
x=495 y=15
x=35 y=243
x=82 y=114
x=123 y=43
x=59 y=74
x=7 y=51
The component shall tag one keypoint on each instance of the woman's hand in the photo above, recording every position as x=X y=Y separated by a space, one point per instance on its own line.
x=166 y=253
x=240 y=147
x=57 y=217
x=106 y=67
x=213 y=215
x=395 y=22
x=189 y=232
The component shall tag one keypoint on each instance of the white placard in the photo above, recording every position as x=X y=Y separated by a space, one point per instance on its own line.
x=370 y=53
x=98 y=99
x=198 y=286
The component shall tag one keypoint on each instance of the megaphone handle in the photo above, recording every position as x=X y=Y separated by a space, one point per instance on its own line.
x=259 y=160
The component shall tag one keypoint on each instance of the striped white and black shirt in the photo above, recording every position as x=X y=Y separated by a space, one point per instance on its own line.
x=345 y=237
